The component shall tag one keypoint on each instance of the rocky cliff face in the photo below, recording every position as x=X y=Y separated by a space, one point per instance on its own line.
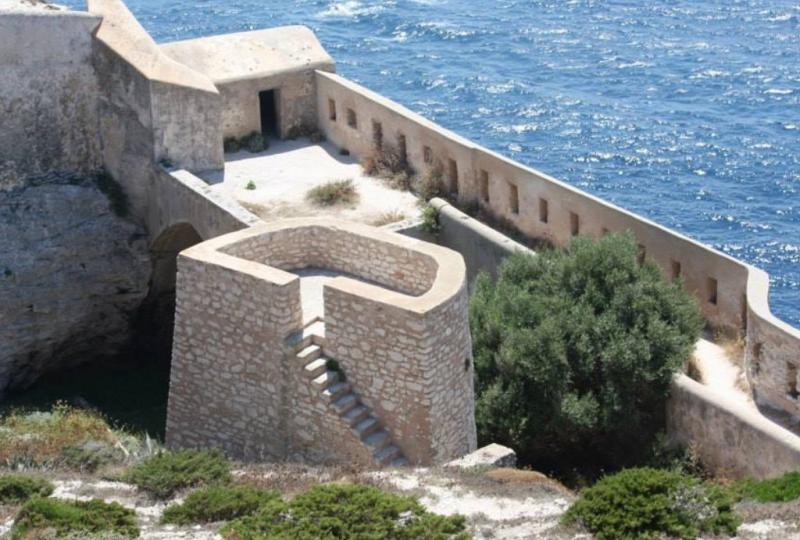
x=72 y=273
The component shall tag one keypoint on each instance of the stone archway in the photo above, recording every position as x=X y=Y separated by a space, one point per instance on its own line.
x=158 y=313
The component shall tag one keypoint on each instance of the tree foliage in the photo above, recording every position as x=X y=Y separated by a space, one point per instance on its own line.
x=574 y=351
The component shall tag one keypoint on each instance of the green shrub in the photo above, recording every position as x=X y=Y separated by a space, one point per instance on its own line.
x=334 y=192
x=17 y=488
x=430 y=219
x=250 y=185
x=387 y=163
x=69 y=517
x=648 y=503
x=168 y=472
x=574 y=353
x=231 y=144
x=113 y=191
x=218 y=503
x=345 y=511
x=63 y=437
x=255 y=142
x=782 y=489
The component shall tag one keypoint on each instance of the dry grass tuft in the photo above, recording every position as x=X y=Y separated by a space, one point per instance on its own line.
x=333 y=193
x=392 y=216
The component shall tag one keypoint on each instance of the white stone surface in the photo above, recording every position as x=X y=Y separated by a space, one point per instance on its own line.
x=493 y=455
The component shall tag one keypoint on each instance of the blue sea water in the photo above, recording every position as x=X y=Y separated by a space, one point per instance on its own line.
x=685 y=111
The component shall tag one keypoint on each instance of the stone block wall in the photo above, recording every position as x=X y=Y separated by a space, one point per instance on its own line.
x=236 y=383
x=228 y=383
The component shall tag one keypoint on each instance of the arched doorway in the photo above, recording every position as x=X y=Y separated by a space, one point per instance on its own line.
x=158 y=312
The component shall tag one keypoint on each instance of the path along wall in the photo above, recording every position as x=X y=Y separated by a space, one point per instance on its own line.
x=401 y=337
x=732 y=295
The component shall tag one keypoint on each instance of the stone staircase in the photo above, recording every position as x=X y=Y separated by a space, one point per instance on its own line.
x=308 y=347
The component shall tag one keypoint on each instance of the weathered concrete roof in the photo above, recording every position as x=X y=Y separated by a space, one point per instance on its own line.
x=251 y=55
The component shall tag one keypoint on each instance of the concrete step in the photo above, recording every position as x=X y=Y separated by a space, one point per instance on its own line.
x=312 y=352
x=387 y=454
x=345 y=403
x=315 y=368
x=366 y=427
x=335 y=390
x=356 y=414
x=378 y=440
x=399 y=462
x=326 y=379
x=313 y=333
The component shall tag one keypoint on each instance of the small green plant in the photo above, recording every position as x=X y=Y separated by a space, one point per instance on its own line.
x=113 y=191
x=17 y=488
x=430 y=219
x=231 y=145
x=165 y=473
x=332 y=193
x=74 y=518
x=645 y=503
x=218 y=503
x=255 y=142
x=782 y=489
x=250 y=185
x=346 y=511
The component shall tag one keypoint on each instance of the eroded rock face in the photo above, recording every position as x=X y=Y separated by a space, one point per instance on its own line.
x=72 y=274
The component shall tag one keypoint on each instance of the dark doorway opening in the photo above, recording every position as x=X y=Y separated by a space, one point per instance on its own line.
x=269 y=113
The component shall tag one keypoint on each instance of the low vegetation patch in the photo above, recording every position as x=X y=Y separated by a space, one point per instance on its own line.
x=430 y=219
x=387 y=164
x=333 y=193
x=253 y=142
x=62 y=437
x=574 y=353
x=346 y=511
x=163 y=474
x=392 y=216
x=250 y=185
x=651 y=503
x=430 y=184
x=783 y=489
x=17 y=488
x=218 y=503
x=75 y=519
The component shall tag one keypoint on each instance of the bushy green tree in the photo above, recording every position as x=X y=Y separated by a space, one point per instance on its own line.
x=574 y=351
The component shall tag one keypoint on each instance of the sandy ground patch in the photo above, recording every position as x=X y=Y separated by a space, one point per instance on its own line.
x=281 y=176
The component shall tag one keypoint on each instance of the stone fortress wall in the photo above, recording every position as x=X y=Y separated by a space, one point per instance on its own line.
x=397 y=328
x=732 y=295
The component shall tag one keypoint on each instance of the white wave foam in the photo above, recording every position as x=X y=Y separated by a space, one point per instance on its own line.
x=350 y=8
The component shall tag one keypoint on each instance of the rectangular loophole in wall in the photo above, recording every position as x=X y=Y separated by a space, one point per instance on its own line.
x=641 y=253
x=377 y=134
x=402 y=149
x=452 y=175
x=574 y=224
x=675 y=269
x=791 y=381
x=513 y=198
x=604 y=231
x=331 y=110
x=484 y=186
x=544 y=210
x=711 y=289
x=427 y=155
x=352 y=119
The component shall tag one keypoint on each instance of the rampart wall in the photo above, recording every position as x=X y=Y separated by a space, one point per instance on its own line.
x=731 y=294
x=48 y=94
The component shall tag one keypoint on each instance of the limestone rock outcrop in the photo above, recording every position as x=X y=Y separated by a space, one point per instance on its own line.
x=72 y=273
